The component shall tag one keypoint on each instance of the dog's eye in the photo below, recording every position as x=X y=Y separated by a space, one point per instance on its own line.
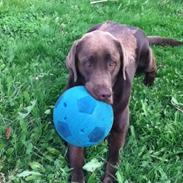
x=111 y=65
x=88 y=64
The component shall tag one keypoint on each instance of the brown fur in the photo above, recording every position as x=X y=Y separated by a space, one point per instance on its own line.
x=105 y=60
x=156 y=40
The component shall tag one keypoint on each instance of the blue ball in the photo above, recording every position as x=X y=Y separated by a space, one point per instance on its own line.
x=80 y=119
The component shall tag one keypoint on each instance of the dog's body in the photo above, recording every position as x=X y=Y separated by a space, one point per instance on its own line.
x=105 y=60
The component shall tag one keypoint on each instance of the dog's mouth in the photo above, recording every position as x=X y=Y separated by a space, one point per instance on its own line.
x=106 y=97
x=109 y=100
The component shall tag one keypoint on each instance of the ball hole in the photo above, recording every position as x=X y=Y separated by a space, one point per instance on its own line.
x=65 y=104
x=82 y=131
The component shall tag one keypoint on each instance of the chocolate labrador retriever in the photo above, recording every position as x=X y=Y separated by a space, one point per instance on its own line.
x=105 y=60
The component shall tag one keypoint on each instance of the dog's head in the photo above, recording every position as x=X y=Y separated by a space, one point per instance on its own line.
x=97 y=58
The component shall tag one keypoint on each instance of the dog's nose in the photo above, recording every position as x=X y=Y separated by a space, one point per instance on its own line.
x=100 y=92
x=104 y=94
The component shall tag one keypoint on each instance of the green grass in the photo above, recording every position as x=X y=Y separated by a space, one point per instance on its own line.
x=35 y=37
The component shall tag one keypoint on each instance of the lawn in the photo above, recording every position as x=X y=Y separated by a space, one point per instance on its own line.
x=35 y=37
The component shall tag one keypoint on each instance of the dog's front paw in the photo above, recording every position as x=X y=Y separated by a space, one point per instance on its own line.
x=78 y=181
x=77 y=177
x=108 y=179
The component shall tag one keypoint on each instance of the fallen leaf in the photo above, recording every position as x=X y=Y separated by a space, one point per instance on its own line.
x=28 y=173
x=2 y=178
x=28 y=109
x=8 y=133
x=35 y=165
x=92 y=165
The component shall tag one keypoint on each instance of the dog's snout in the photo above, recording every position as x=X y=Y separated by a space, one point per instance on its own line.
x=104 y=94
x=100 y=91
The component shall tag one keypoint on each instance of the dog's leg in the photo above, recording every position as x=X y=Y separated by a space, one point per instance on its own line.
x=150 y=71
x=76 y=159
x=116 y=141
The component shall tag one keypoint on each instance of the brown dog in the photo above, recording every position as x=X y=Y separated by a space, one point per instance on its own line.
x=105 y=60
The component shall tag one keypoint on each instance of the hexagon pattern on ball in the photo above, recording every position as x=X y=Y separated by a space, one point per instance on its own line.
x=80 y=119
x=86 y=105
x=96 y=134
x=63 y=128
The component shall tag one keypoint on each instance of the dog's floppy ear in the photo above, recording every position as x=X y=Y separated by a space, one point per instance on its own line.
x=71 y=60
x=124 y=59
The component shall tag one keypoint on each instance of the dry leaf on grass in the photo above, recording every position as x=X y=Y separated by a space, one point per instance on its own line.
x=8 y=133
